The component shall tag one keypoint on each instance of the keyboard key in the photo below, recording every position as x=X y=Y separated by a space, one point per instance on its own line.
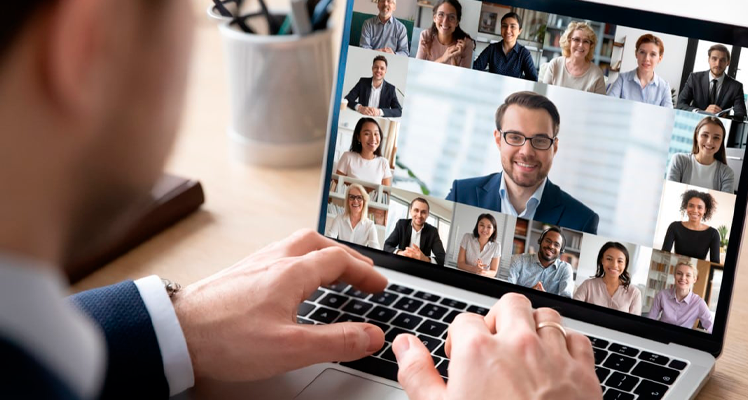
x=384 y=298
x=478 y=310
x=433 y=311
x=442 y=368
x=429 y=342
x=315 y=295
x=333 y=300
x=324 y=315
x=599 y=355
x=389 y=355
x=408 y=304
x=427 y=296
x=399 y=289
x=304 y=309
x=384 y=348
x=451 y=316
x=338 y=287
x=596 y=342
x=441 y=352
x=432 y=328
x=304 y=321
x=381 y=314
x=349 y=318
x=436 y=360
x=357 y=307
x=655 y=372
x=613 y=394
x=619 y=362
x=384 y=327
x=602 y=373
x=678 y=364
x=453 y=303
x=374 y=366
x=648 y=390
x=625 y=350
x=622 y=382
x=407 y=321
x=444 y=336
x=353 y=292
x=653 y=358
x=392 y=334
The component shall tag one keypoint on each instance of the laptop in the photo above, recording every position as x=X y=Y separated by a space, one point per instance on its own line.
x=633 y=109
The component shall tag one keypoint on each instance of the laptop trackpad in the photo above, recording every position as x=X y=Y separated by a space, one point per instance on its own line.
x=332 y=383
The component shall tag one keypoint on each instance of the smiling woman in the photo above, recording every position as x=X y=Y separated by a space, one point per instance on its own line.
x=611 y=286
x=694 y=238
x=364 y=159
x=574 y=69
x=445 y=42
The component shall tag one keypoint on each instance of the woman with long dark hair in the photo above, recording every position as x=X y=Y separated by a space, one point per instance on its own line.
x=611 y=286
x=480 y=252
x=364 y=159
x=445 y=42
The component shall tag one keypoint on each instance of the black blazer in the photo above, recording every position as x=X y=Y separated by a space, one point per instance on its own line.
x=695 y=94
x=399 y=239
x=387 y=100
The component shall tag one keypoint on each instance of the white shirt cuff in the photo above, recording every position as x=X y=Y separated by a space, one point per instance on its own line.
x=171 y=341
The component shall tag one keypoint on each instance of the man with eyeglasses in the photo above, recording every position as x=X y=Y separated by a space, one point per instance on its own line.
x=544 y=271
x=415 y=238
x=384 y=32
x=526 y=135
x=508 y=57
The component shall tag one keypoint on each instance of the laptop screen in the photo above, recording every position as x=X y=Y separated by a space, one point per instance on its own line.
x=589 y=152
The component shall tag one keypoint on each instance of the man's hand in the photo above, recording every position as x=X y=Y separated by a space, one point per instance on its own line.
x=386 y=50
x=714 y=109
x=502 y=356
x=240 y=324
x=539 y=286
x=371 y=111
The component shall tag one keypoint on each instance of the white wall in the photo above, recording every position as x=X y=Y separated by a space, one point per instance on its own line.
x=406 y=9
x=359 y=66
x=702 y=55
x=464 y=220
x=671 y=66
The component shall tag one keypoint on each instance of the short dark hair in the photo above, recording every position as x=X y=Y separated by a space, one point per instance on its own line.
x=532 y=101
x=553 y=229
x=624 y=278
x=721 y=154
x=380 y=58
x=514 y=15
x=709 y=203
x=356 y=141
x=422 y=200
x=650 y=38
x=490 y=219
x=719 y=47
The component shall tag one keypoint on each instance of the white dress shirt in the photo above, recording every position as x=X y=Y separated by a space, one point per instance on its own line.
x=364 y=233
x=374 y=96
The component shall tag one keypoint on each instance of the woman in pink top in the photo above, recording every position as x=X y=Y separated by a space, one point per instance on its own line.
x=445 y=42
x=611 y=286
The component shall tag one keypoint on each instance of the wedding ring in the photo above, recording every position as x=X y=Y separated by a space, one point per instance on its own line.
x=550 y=324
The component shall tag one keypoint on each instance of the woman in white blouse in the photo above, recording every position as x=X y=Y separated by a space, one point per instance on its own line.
x=364 y=160
x=354 y=224
x=480 y=253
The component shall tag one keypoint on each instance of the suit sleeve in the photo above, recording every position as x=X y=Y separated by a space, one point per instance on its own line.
x=135 y=368
x=685 y=97
x=452 y=195
x=393 y=241
x=393 y=108
x=437 y=248
x=354 y=95
x=739 y=104
x=591 y=225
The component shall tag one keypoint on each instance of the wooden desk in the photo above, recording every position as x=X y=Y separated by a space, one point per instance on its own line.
x=247 y=208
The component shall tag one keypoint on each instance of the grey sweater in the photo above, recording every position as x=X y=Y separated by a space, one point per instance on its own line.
x=682 y=164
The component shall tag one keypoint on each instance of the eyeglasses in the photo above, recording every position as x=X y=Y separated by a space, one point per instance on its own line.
x=540 y=142
x=450 y=17
x=355 y=198
x=577 y=41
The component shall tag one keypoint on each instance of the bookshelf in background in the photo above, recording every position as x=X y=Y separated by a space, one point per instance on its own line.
x=605 y=33
x=527 y=233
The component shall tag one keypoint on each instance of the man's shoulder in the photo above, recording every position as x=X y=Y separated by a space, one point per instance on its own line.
x=572 y=205
x=477 y=181
x=371 y=21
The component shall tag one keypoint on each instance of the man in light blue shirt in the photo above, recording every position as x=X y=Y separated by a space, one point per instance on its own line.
x=384 y=32
x=544 y=270
x=628 y=86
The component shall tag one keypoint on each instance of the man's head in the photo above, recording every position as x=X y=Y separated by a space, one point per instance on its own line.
x=419 y=212
x=530 y=115
x=551 y=245
x=386 y=8
x=511 y=27
x=379 y=68
x=719 y=59
x=91 y=106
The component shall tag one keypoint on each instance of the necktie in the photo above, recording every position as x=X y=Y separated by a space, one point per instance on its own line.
x=713 y=92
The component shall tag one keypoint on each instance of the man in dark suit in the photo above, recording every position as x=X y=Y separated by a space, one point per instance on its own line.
x=374 y=96
x=523 y=188
x=713 y=90
x=414 y=237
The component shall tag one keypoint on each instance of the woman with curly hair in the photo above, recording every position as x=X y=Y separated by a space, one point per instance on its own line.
x=575 y=69
x=445 y=42
x=694 y=238
x=611 y=286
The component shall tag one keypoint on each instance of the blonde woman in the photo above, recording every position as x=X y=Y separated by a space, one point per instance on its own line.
x=574 y=69
x=679 y=305
x=354 y=224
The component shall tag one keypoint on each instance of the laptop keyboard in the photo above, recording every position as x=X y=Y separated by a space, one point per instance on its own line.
x=624 y=372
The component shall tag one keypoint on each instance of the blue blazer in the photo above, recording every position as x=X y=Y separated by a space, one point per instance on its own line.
x=134 y=370
x=556 y=206
x=387 y=99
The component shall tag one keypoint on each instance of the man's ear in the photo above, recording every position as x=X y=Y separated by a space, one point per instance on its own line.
x=497 y=138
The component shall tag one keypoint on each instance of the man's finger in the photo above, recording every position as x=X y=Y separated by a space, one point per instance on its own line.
x=417 y=374
x=512 y=313
x=344 y=341
x=580 y=347
x=334 y=263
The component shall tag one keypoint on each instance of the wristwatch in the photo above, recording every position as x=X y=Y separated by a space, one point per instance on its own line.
x=171 y=287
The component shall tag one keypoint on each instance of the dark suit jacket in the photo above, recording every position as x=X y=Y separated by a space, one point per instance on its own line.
x=430 y=242
x=387 y=99
x=556 y=206
x=695 y=94
x=135 y=368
